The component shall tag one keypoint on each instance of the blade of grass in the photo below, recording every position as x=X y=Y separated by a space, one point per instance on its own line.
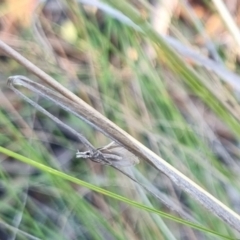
x=204 y=92
x=107 y=127
x=62 y=175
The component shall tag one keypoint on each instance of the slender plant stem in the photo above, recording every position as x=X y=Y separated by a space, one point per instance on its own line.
x=103 y=124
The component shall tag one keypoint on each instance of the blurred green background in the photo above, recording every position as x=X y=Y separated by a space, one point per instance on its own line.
x=120 y=58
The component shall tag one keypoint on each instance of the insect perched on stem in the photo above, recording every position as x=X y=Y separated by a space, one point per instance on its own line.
x=111 y=154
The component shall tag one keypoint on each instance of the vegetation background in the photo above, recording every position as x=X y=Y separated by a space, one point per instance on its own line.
x=184 y=109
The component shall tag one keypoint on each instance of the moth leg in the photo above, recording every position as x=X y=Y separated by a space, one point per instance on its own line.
x=105 y=161
x=107 y=146
x=101 y=161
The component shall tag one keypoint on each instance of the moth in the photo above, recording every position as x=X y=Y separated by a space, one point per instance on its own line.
x=111 y=154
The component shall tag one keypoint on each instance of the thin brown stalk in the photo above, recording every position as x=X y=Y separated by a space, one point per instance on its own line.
x=121 y=137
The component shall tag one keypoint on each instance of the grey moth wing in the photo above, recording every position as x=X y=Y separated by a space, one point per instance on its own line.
x=118 y=155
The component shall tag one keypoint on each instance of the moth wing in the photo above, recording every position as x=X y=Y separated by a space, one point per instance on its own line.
x=126 y=158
